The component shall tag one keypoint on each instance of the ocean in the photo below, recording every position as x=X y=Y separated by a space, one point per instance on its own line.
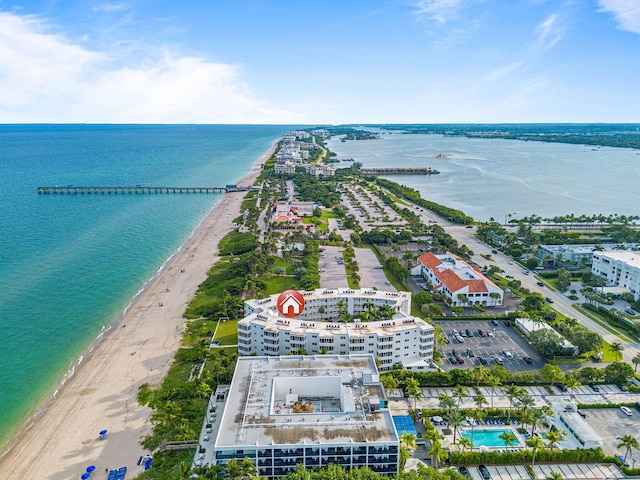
x=70 y=264
x=495 y=178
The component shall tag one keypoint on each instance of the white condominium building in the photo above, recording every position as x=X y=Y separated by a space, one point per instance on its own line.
x=620 y=268
x=401 y=340
x=280 y=412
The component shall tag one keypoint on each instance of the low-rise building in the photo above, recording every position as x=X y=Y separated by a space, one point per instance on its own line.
x=527 y=325
x=574 y=255
x=280 y=412
x=620 y=268
x=464 y=285
x=401 y=340
x=566 y=417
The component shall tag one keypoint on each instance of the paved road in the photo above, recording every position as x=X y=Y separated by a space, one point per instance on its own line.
x=561 y=303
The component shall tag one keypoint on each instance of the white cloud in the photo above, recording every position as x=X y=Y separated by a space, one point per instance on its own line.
x=111 y=7
x=44 y=77
x=440 y=10
x=626 y=12
x=550 y=31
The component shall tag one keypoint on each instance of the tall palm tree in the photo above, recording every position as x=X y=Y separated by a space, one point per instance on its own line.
x=554 y=437
x=617 y=348
x=446 y=402
x=478 y=415
x=535 y=444
x=413 y=389
x=629 y=443
x=636 y=361
x=479 y=374
x=572 y=383
x=480 y=400
x=389 y=382
x=407 y=446
x=454 y=419
x=512 y=392
x=525 y=401
x=465 y=443
x=508 y=438
x=555 y=476
x=438 y=453
x=493 y=382
x=460 y=391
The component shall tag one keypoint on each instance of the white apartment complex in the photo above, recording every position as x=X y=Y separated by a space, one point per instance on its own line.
x=305 y=410
x=402 y=340
x=457 y=279
x=620 y=268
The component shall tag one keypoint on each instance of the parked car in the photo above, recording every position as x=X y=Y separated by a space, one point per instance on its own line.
x=630 y=311
x=507 y=353
x=526 y=272
x=527 y=360
x=470 y=353
x=460 y=360
x=483 y=361
x=459 y=339
x=494 y=251
x=494 y=322
x=561 y=387
x=482 y=333
x=463 y=333
x=499 y=360
x=506 y=323
x=455 y=352
x=490 y=333
x=594 y=387
x=626 y=410
x=464 y=471
x=206 y=438
x=469 y=333
x=484 y=472
x=621 y=387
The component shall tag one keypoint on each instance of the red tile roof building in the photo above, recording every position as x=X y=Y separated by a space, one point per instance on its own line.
x=463 y=284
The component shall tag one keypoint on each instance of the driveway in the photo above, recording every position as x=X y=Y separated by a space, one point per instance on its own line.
x=332 y=273
x=370 y=276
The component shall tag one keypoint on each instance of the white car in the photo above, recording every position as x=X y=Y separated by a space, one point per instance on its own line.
x=626 y=410
x=507 y=353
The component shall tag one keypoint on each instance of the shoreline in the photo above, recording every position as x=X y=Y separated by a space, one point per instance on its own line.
x=100 y=389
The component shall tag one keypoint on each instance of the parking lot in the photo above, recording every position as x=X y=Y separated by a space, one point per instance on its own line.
x=492 y=348
x=611 y=423
x=332 y=273
x=568 y=471
x=371 y=275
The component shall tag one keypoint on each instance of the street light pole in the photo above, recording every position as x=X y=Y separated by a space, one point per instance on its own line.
x=508 y=215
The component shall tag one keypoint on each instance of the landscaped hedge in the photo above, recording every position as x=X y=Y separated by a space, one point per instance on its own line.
x=585 y=406
x=526 y=456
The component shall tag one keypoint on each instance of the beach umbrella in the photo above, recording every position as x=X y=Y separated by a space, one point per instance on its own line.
x=91 y=468
x=103 y=433
x=85 y=476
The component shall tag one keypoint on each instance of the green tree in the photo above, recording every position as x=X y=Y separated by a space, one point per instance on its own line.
x=389 y=382
x=413 y=389
x=454 y=419
x=555 y=476
x=465 y=443
x=636 y=361
x=618 y=372
x=564 y=280
x=512 y=392
x=532 y=263
x=459 y=392
x=535 y=444
x=617 y=348
x=508 y=438
x=554 y=437
x=629 y=443
x=551 y=373
x=438 y=453
x=446 y=402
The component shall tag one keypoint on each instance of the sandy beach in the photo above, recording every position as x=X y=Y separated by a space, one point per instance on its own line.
x=103 y=392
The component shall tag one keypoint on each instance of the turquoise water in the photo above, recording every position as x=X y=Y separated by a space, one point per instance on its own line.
x=489 y=437
x=69 y=265
x=493 y=178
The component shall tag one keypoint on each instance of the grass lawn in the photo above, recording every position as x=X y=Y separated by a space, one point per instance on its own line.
x=280 y=284
x=227 y=333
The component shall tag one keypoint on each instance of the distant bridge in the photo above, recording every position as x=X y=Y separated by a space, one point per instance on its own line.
x=399 y=171
x=87 y=190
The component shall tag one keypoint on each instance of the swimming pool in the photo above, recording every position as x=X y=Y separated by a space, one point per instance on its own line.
x=490 y=437
x=404 y=423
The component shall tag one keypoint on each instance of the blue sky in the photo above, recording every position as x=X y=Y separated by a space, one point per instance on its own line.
x=322 y=61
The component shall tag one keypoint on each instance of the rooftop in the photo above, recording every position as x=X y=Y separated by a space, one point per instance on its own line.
x=305 y=400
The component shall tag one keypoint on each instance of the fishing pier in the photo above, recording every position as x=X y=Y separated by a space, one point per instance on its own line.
x=137 y=189
x=399 y=171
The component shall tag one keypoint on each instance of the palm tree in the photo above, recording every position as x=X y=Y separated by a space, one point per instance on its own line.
x=389 y=382
x=617 y=348
x=446 y=402
x=525 y=401
x=413 y=389
x=572 y=383
x=554 y=437
x=636 y=361
x=460 y=391
x=555 y=476
x=537 y=416
x=454 y=419
x=508 y=438
x=480 y=400
x=493 y=382
x=478 y=415
x=512 y=392
x=438 y=453
x=628 y=442
x=479 y=374
x=535 y=443
x=407 y=445
x=465 y=442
